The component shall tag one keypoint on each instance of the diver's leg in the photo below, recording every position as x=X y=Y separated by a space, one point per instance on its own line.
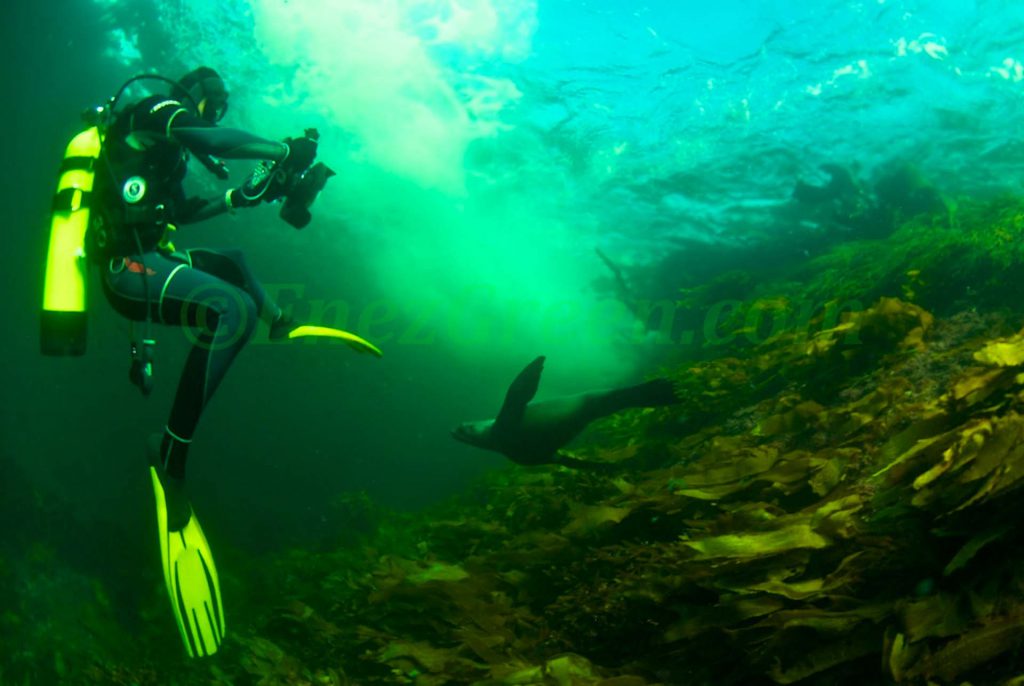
x=231 y=266
x=222 y=318
x=164 y=289
x=132 y=283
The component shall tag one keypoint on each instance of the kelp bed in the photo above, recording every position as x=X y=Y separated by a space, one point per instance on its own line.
x=835 y=505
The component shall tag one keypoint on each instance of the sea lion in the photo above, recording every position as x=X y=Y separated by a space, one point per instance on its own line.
x=531 y=433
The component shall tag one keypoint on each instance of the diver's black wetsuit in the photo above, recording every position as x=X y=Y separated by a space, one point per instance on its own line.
x=139 y=193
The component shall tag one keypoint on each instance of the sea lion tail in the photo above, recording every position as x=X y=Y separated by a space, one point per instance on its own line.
x=656 y=393
x=564 y=460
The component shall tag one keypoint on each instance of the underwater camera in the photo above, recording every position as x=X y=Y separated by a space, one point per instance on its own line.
x=295 y=189
x=301 y=192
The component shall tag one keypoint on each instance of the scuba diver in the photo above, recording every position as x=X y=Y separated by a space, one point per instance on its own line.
x=120 y=198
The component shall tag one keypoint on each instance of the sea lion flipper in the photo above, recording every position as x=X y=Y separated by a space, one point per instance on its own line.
x=564 y=459
x=519 y=394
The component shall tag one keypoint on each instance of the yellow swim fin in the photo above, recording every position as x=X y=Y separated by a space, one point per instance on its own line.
x=189 y=572
x=353 y=341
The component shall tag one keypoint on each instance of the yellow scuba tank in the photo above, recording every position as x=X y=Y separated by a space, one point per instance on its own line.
x=63 y=323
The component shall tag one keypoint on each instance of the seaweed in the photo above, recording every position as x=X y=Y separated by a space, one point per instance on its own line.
x=833 y=504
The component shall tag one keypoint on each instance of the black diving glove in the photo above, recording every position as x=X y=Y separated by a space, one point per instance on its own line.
x=301 y=152
x=236 y=197
x=263 y=185
x=271 y=181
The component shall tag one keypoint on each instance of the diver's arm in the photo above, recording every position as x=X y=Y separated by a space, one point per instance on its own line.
x=201 y=209
x=158 y=116
x=231 y=144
